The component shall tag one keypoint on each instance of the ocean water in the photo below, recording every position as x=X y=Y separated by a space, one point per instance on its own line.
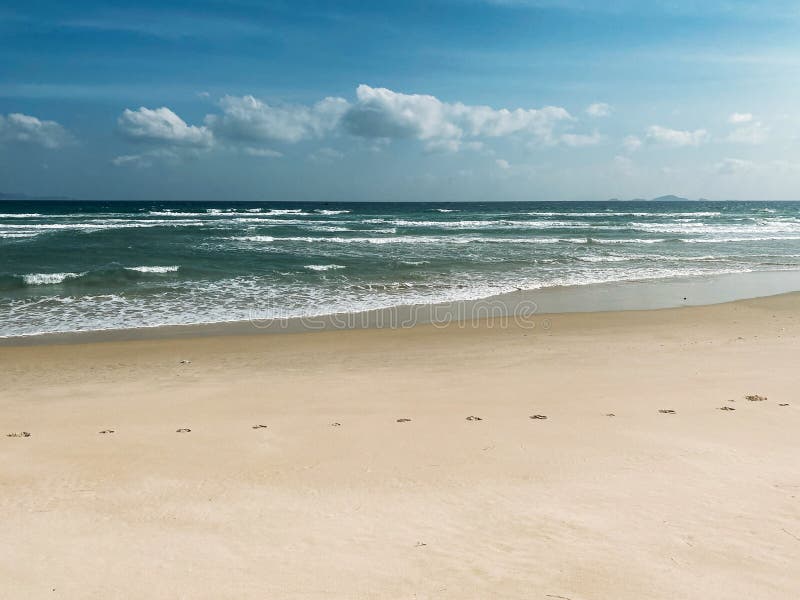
x=73 y=266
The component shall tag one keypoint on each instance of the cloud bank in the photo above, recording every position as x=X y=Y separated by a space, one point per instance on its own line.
x=26 y=129
x=677 y=137
x=248 y=119
x=377 y=114
x=161 y=125
x=383 y=113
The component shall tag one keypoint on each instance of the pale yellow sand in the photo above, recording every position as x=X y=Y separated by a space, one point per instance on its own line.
x=700 y=504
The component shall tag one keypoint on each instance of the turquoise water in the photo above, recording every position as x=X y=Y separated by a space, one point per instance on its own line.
x=70 y=266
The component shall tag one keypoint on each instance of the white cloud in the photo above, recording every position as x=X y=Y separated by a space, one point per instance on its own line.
x=733 y=166
x=740 y=118
x=248 y=118
x=503 y=164
x=598 y=109
x=145 y=160
x=27 y=129
x=262 y=152
x=677 y=137
x=752 y=133
x=632 y=143
x=383 y=113
x=577 y=140
x=161 y=125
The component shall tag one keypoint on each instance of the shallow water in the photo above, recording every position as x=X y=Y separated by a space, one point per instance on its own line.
x=75 y=266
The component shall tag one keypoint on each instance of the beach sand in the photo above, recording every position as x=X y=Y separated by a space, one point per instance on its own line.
x=699 y=503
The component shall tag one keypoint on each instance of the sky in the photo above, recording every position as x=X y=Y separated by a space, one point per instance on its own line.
x=444 y=100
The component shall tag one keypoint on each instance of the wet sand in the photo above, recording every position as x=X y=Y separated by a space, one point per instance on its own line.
x=369 y=480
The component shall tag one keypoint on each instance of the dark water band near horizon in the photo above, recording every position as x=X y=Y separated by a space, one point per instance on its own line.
x=68 y=266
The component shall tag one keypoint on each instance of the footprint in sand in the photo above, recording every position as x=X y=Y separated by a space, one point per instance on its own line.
x=666 y=411
x=403 y=420
x=259 y=426
x=610 y=415
x=183 y=430
x=755 y=398
x=538 y=417
x=726 y=408
x=336 y=424
x=784 y=404
x=19 y=434
x=106 y=431
x=474 y=418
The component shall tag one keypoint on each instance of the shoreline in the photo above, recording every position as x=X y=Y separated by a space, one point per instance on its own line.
x=394 y=463
x=524 y=305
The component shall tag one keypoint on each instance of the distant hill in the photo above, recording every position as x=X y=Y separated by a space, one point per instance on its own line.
x=4 y=196
x=670 y=198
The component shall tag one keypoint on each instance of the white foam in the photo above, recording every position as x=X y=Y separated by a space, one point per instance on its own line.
x=323 y=267
x=739 y=239
x=321 y=211
x=596 y=259
x=155 y=269
x=48 y=278
x=625 y=214
x=287 y=211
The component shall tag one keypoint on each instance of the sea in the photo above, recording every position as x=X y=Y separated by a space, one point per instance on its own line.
x=68 y=266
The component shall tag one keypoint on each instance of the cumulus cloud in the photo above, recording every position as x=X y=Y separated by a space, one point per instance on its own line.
x=677 y=137
x=161 y=125
x=502 y=163
x=383 y=113
x=740 y=118
x=27 y=129
x=379 y=115
x=598 y=109
x=248 y=118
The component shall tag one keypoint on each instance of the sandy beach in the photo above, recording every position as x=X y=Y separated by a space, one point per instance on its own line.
x=338 y=496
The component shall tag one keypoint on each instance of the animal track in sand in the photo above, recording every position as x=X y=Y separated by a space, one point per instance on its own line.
x=19 y=434
x=474 y=418
x=666 y=411
x=726 y=408
x=335 y=424
x=259 y=426
x=107 y=431
x=403 y=420
x=183 y=430
x=784 y=404
x=538 y=417
x=755 y=398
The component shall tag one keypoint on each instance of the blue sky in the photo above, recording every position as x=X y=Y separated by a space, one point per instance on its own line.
x=440 y=100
